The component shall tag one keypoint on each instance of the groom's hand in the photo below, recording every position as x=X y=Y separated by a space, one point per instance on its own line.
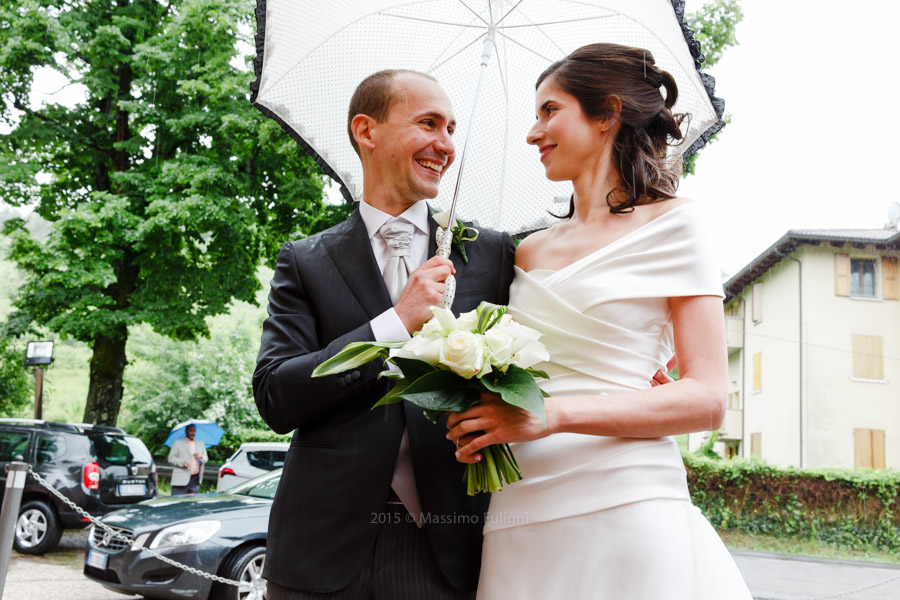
x=424 y=289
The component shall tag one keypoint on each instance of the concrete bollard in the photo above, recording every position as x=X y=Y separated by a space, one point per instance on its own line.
x=12 y=499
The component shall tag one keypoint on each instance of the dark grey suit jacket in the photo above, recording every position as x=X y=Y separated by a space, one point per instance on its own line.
x=337 y=474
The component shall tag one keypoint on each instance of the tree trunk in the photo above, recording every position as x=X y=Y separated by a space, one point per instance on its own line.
x=107 y=367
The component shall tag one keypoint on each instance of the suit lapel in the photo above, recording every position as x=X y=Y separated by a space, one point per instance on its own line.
x=351 y=251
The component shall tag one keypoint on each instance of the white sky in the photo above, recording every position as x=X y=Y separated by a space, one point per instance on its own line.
x=812 y=90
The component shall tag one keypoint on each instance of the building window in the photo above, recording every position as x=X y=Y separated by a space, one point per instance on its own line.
x=868 y=448
x=862 y=277
x=756 y=302
x=890 y=282
x=868 y=357
x=734 y=400
x=756 y=445
x=757 y=372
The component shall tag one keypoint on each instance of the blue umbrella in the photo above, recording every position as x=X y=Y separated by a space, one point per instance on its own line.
x=207 y=432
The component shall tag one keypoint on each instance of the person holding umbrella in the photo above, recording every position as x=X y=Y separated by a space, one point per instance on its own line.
x=370 y=503
x=627 y=277
x=187 y=457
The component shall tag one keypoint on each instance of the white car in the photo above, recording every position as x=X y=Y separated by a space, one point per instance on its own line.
x=250 y=460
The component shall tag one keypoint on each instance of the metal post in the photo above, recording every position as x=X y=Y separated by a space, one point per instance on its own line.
x=12 y=499
x=38 y=393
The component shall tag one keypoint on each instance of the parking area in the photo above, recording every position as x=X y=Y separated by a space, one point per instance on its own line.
x=56 y=575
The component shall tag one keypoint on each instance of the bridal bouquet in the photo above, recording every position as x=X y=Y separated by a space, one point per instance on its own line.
x=449 y=363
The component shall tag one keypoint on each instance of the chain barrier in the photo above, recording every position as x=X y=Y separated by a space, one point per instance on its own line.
x=244 y=586
x=838 y=594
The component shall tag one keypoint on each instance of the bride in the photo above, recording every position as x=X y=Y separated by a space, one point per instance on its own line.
x=627 y=278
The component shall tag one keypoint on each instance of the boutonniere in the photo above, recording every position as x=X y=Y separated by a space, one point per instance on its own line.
x=461 y=233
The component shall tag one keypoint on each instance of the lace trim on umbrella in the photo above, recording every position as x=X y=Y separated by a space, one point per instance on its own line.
x=709 y=82
x=260 y=13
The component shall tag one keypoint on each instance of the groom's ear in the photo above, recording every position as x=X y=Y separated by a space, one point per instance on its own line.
x=362 y=126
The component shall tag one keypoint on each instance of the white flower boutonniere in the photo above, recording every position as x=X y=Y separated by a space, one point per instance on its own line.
x=461 y=233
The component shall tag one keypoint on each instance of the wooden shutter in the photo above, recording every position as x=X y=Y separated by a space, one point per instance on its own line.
x=756 y=444
x=862 y=447
x=868 y=359
x=877 y=448
x=842 y=275
x=890 y=289
x=757 y=371
x=868 y=448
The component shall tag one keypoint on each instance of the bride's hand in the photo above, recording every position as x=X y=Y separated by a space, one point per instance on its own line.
x=491 y=421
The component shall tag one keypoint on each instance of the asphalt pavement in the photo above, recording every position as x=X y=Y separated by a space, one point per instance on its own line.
x=58 y=576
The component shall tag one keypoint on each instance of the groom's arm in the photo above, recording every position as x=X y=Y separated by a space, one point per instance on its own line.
x=286 y=394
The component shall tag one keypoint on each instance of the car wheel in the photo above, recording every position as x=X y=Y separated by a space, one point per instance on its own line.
x=37 y=528
x=245 y=565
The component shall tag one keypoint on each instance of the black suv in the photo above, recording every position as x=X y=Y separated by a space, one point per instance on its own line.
x=98 y=468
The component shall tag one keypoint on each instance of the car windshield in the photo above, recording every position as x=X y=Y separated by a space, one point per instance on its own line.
x=263 y=486
x=121 y=449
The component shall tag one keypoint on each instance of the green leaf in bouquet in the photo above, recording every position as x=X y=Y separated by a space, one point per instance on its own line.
x=519 y=388
x=488 y=315
x=393 y=396
x=412 y=368
x=442 y=391
x=433 y=415
x=537 y=373
x=353 y=355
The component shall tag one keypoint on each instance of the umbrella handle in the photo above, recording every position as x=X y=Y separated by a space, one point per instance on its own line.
x=444 y=239
x=449 y=292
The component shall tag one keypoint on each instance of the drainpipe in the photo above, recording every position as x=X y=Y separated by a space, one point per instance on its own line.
x=800 y=344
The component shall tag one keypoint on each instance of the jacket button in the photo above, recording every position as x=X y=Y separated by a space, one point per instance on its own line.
x=355 y=375
x=348 y=378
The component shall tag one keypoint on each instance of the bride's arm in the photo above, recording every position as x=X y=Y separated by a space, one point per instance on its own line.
x=696 y=402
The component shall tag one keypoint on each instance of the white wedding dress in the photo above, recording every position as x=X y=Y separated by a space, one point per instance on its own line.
x=602 y=517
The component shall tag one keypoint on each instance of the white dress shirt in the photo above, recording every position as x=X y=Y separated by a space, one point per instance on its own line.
x=387 y=326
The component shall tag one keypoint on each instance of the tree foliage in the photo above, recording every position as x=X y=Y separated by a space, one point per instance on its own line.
x=16 y=390
x=714 y=25
x=165 y=187
x=173 y=381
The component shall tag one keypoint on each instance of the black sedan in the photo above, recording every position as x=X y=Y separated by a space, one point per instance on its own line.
x=223 y=534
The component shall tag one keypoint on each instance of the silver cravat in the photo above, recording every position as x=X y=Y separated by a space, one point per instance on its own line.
x=398 y=235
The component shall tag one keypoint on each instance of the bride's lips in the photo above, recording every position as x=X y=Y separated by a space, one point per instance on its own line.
x=545 y=150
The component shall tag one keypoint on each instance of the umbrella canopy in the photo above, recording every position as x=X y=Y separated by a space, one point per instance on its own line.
x=207 y=432
x=311 y=56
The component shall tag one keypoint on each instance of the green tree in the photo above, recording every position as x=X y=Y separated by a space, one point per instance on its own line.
x=169 y=382
x=714 y=26
x=15 y=387
x=165 y=188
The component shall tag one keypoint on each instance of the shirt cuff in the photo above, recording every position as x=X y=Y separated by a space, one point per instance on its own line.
x=388 y=327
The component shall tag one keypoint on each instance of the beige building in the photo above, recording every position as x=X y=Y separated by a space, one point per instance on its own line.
x=813 y=327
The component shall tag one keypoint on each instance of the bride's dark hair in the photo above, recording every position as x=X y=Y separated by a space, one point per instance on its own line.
x=595 y=72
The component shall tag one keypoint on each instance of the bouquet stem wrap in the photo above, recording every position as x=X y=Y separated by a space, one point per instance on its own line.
x=446 y=367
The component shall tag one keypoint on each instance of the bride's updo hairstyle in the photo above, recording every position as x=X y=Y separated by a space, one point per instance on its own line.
x=595 y=72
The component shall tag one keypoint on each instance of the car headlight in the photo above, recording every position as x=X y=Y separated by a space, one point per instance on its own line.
x=183 y=534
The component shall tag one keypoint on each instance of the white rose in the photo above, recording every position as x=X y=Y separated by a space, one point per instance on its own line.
x=423 y=347
x=531 y=354
x=521 y=335
x=463 y=353
x=499 y=346
x=467 y=321
x=442 y=218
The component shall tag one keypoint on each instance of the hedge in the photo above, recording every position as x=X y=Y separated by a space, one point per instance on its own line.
x=854 y=508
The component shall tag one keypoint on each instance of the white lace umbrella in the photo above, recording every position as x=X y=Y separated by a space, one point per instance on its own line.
x=311 y=55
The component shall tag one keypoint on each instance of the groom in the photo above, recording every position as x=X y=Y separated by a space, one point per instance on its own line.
x=371 y=502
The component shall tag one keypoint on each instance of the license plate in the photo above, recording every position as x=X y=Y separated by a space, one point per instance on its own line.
x=132 y=489
x=97 y=560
